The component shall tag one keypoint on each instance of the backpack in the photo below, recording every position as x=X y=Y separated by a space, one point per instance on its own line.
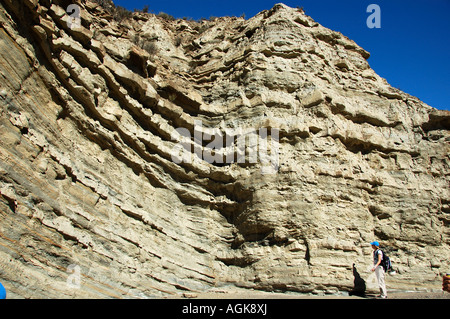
x=386 y=262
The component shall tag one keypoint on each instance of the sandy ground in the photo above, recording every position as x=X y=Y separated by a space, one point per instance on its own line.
x=268 y=295
x=419 y=295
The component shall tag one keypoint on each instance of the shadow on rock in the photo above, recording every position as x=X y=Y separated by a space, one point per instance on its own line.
x=359 y=284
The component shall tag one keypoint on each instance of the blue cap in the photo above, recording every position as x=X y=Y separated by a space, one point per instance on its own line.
x=375 y=243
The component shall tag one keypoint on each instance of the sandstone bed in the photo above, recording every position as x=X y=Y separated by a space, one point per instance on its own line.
x=89 y=186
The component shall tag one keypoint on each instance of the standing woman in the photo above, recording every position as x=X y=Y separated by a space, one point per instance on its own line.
x=378 y=268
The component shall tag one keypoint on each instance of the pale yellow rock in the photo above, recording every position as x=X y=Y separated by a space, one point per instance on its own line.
x=94 y=206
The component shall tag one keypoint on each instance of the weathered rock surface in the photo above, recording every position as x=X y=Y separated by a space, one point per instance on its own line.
x=88 y=185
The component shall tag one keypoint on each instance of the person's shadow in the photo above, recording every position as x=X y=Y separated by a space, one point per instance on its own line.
x=359 y=284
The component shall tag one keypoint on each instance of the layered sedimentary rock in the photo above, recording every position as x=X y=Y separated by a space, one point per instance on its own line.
x=93 y=204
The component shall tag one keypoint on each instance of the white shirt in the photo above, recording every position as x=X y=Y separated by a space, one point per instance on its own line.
x=377 y=253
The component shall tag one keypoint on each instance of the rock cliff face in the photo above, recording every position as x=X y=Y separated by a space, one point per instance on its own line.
x=93 y=204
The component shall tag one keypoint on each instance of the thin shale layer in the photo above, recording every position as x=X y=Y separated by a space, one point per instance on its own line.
x=93 y=205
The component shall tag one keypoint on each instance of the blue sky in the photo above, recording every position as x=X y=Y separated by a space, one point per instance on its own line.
x=411 y=50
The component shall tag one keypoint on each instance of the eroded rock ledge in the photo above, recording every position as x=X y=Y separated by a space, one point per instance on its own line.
x=87 y=178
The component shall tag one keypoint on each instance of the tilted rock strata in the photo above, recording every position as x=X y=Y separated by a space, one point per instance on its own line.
x=88 y=180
